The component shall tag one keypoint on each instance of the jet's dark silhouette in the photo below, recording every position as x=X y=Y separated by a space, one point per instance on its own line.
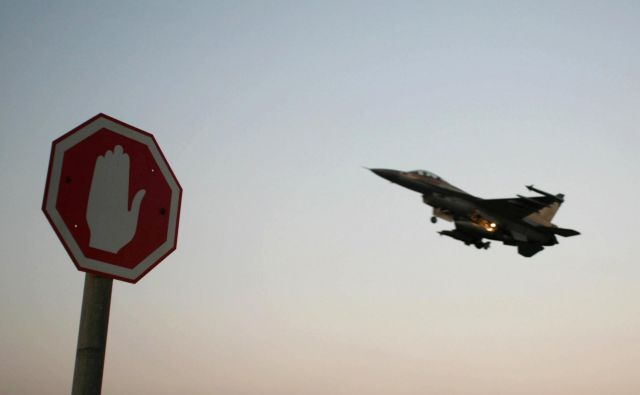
x=522 y=221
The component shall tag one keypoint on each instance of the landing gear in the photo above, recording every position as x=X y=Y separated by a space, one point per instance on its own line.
x=434 y=220
x=480 y=245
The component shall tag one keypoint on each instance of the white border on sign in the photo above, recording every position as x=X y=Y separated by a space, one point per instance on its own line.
x=54 y=183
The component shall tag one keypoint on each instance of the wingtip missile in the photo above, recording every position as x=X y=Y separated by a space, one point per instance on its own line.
x=559 y=197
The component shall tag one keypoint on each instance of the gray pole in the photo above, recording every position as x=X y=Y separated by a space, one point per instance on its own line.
x=92 y=336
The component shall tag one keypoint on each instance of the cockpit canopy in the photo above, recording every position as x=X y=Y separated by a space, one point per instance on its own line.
x=426 y=174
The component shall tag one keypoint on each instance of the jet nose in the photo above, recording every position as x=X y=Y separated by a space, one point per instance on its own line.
x=388 y=174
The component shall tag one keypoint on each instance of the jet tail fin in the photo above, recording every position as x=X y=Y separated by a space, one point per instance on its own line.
x=549 y=211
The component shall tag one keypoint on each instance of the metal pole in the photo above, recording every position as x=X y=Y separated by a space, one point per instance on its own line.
x=92 y=336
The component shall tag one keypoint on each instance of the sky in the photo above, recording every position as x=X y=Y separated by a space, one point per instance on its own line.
x=297 y=271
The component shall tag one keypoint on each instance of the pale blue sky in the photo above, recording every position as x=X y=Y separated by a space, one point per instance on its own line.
x=298 y=272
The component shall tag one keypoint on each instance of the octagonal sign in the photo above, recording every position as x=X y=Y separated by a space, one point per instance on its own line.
x=112 y=199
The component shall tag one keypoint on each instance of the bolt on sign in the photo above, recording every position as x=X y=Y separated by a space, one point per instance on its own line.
x=112 y=199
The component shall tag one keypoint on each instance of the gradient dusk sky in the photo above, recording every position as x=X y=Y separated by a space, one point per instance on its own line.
x=297 y=271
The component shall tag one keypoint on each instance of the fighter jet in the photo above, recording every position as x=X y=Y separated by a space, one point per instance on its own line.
x=524 y=222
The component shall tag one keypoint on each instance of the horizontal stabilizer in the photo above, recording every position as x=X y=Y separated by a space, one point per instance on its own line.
x=564 y=232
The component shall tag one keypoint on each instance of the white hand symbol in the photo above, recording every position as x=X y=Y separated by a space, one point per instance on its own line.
x=111 y=223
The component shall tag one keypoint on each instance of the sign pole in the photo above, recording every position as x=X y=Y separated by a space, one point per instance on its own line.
x=92 y=335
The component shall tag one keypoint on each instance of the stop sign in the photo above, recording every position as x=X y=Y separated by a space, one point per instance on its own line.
x=112 y=198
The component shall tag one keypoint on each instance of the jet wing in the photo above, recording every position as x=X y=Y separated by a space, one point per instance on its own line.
x=518 y=207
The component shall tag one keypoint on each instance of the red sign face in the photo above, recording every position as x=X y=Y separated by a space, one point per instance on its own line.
x=112 y=199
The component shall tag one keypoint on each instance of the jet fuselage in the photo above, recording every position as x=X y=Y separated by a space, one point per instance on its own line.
x=523 y=221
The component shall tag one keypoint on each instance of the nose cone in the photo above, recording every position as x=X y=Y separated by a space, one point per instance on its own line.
x=387 y=174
